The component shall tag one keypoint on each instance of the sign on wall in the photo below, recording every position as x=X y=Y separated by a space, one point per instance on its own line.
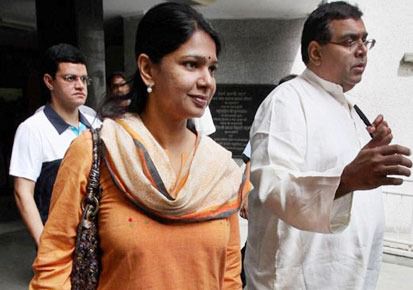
x=233 y=109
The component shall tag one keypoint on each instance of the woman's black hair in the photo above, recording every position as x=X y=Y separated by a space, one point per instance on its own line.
x=162 y=30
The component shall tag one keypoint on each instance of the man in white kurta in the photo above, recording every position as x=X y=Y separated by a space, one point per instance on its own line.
x=310 y=226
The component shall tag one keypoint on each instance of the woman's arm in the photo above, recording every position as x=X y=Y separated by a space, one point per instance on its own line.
x=232 y=278
x=53 y=264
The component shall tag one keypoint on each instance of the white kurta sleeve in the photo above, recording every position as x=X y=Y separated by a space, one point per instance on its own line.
x=284 y=180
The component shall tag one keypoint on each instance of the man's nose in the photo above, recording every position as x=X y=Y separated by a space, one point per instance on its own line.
x=361 y=49
x=79 y=83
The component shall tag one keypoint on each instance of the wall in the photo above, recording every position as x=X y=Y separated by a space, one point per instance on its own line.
x=129 y=30
x=387 y=88
x=388 y=84
x=257 y=51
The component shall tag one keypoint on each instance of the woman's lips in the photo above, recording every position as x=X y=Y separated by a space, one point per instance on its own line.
x=200 y=101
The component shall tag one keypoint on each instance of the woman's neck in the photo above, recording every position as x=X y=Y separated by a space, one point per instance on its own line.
x=170 y=134
x=173 y=136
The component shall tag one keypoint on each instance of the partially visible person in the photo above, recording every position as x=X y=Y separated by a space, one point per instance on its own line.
x=42 y=140
x=204 y=125
x=316 y=217
x=118 y=84
x=118 y=87
x=287 y=78
x=118 y=96
x=168 y=212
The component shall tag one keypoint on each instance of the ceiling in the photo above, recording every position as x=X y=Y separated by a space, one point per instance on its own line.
x=22 y=12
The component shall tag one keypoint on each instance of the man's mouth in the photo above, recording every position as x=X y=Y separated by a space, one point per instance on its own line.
x=360 y=67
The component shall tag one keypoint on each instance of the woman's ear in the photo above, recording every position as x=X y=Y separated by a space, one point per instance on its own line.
x=48 y=81
x=145 y=67
x=314 y=53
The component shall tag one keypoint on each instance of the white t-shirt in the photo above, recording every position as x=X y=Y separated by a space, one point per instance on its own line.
x=43 y=138
x=40 y=144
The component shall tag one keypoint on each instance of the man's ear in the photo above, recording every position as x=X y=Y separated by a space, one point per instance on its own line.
x=48 y=81
x=145 y=67
x=314 y=53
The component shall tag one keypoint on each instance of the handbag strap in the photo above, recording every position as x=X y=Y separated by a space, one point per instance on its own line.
x=90 y=205
x=86 y=256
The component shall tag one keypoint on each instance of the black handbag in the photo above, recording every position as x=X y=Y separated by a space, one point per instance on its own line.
x=86 y=257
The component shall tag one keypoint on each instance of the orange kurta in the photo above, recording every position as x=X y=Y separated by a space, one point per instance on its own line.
x=137 y=252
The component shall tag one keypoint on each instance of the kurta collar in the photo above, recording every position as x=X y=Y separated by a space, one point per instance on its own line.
x=57 y=121
x=332 y=88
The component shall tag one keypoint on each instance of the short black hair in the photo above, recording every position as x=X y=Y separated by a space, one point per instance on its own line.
x=316 y=27
x=58 y=53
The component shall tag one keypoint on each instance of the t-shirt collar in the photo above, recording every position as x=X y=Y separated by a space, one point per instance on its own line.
x=57 y=121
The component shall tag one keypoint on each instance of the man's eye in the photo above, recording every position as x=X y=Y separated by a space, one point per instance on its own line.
x=349 y=42
x=70 y=78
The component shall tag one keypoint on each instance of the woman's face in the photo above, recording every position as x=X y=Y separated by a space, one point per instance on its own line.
x=184 y=81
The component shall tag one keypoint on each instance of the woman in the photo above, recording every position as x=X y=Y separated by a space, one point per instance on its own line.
x=117 y=87
x=167 y=216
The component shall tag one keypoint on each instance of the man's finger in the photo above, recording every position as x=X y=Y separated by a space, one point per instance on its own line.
x=378 y=120
x=383 y=129
x=379 y=141
x=396 y=170
x=394 y=149
x=397 y=159
x=392 y=181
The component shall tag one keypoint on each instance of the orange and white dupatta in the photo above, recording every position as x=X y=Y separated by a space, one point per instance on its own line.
x=209 y=186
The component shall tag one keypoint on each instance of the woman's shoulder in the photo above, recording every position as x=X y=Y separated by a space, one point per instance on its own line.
x=81 y=147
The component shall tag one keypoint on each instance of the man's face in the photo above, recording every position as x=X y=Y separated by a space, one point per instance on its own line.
x=69 y=86
x=341 y=64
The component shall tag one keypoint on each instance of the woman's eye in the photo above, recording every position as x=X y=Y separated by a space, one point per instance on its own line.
x=190 y=65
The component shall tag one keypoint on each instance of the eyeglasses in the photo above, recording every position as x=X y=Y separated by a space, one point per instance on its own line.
x=352 y=44
x=73 y=78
